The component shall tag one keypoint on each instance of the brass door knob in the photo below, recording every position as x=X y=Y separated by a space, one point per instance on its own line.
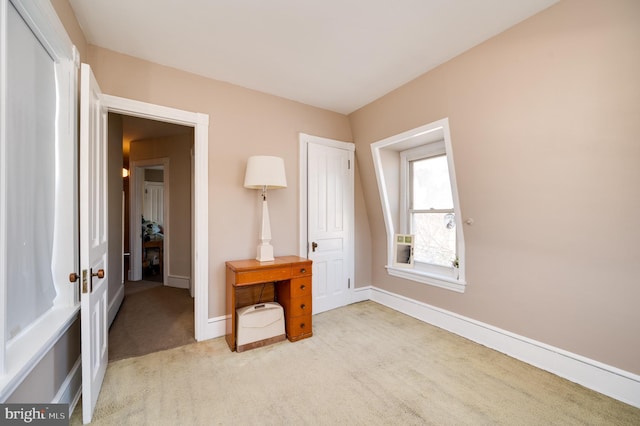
x=99 y=274
x=73 y=277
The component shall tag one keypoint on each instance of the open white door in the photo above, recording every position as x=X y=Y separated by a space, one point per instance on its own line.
x=330 y=228
x=93 y=240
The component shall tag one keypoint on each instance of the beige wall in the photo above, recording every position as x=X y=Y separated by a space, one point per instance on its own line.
x=544 y=122
x=544 y=125
x=362 y=234
x=178 y=150
x=242 y=123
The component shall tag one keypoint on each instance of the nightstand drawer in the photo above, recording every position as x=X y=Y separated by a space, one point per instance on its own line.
x=300 y=287
x=301 y=269
x=299 y=327
x=300 y=306
x=263 y=275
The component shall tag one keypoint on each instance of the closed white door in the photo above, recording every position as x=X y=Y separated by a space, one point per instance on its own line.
x=329 y=224
x=93 y=241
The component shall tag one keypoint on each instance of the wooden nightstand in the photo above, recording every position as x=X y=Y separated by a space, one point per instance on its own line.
x=286 y=280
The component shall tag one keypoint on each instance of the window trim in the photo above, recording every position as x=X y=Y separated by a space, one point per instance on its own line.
x=390 y=170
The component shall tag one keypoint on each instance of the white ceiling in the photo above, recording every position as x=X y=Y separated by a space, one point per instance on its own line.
x=334 y=54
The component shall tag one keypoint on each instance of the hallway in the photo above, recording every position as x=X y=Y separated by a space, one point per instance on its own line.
x=152 y=318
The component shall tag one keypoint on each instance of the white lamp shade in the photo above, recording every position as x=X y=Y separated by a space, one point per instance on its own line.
x=265 y=171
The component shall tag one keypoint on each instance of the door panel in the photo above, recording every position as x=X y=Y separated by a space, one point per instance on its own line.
x=153 y=202
x=93 y=241
x=330 y=183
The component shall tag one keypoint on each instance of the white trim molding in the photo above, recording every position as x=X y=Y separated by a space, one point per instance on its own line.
x=216 y=327
x=71 y=388
x=200 y=123
x=136 y=193
x=611 y=381
x=389 y=166
x=25 y=354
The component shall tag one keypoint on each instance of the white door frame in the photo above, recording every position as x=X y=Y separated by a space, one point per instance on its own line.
x=303 y=244
x=200 y=123
x=136 y=180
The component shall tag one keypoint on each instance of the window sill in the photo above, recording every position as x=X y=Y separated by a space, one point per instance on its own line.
x=436 y=280
x=26 y=350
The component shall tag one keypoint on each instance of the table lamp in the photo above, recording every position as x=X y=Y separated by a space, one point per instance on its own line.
x=265 y=172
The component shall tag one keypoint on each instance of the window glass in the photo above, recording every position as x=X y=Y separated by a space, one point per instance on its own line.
x=431 y=213
x=430 y=184
x=30 y=174
x=435 y=238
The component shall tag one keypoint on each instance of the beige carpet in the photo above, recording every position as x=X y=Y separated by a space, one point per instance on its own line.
x=152 y=318
x=365 y=365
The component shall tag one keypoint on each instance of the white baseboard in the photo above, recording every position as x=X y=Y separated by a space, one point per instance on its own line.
x=178 y=281
x=360 y=294
x=611 y=381
x=216 y=327
x=115 y=303
x=71 y=388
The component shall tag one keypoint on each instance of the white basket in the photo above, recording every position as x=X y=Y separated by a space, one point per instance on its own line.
x=259 y=322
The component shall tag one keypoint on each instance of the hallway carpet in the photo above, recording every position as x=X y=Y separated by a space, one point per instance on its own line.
x=152 y=318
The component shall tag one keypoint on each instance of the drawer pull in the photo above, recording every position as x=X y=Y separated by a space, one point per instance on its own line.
x=302 y=287
x=301 y=325
x=302 y=306
x=302 y=271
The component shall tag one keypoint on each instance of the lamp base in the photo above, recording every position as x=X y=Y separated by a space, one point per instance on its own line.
x=265 y=253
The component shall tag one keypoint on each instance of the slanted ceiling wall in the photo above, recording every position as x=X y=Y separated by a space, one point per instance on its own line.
x=545 y=125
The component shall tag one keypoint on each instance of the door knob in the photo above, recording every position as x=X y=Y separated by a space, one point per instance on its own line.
x=99 y=274
x=73 y=277
x=314 y=246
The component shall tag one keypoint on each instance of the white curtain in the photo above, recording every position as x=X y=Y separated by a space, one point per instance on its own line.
x=30 y=174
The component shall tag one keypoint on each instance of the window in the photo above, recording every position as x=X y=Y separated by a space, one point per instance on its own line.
x=38 y=200
x=423 y=203
x=30 y=168
x=427 y=207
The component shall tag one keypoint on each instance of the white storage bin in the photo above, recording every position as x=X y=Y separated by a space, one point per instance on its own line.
x=259 y=325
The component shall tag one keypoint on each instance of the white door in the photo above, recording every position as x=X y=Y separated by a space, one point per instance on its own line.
x=330 y=229
x=93 y=241
x=153 y=202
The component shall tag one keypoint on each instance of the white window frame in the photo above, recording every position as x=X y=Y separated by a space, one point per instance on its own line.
x=429 y=150
x=19 y=355
x=390 y=159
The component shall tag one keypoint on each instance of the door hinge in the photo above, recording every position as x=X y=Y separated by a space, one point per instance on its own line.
x=348 y=164
x=349 y=282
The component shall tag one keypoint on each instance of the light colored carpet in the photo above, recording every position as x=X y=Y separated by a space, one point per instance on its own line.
x=365 y=365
